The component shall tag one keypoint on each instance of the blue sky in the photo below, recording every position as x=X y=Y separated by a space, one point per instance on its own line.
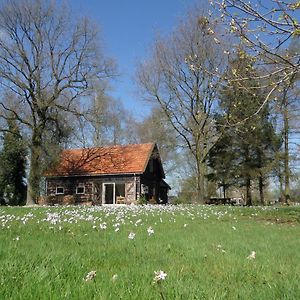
x=128 y=27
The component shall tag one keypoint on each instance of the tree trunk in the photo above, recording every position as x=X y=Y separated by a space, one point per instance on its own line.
x=261 y=189
x=281 y=195
x=286 y=155
x=200 y=181
x=33 y=188
x=248 y=192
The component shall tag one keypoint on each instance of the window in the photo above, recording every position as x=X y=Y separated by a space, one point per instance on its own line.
x=120 y=189
x=145 y=189
x=59 y=190
x=80 y=190
x=120 y=193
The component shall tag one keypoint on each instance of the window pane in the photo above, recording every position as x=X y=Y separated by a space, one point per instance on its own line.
x=59 y=190
x=120 y=190
x=80 y=190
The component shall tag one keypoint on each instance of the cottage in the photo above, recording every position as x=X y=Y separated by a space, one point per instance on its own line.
x=109 y=175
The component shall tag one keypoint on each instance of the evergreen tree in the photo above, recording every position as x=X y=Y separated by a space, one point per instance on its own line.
x=247 y=149
x=13 y=166
x=221 y=163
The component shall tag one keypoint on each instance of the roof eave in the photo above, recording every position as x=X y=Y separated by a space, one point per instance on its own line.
x=93 y=175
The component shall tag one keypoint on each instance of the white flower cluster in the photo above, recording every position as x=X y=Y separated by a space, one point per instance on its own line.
x=131 y=235
x=251 y=255
x=103 y=226
x=159 y=276
x=90 y=276
x=150 y=231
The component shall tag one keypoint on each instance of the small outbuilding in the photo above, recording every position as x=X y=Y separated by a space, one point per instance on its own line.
x=119 y=174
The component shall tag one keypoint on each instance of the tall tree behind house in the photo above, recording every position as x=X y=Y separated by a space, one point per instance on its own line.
x=48 y=61
x=179 y=78
x=13 y=166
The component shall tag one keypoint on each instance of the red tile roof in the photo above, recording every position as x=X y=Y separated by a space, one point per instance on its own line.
x=125 y=159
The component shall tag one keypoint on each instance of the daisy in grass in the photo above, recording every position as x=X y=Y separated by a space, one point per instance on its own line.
x=131 y=235
x=90 y=276
x=159 y=276
x=103 y=226
x=150 y=231
x=251 y=255
x=114 y=278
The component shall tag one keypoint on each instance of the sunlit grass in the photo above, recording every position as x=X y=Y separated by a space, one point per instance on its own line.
x=46 y=253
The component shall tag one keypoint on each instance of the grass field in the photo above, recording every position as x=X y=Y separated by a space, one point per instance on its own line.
x=50 y=253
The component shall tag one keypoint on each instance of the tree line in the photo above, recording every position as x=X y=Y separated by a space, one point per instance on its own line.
x=227 y=78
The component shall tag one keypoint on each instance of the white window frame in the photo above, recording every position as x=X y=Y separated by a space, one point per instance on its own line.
x=59 y=187
x=80 y=186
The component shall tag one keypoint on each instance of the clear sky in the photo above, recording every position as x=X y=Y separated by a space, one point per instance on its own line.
x=127 y=28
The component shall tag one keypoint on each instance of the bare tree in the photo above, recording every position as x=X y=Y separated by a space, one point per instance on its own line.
x=180 y=78
x=157 y=128
x=105 y=118
x=266 y=29
x=287 y=106
x=47 y=61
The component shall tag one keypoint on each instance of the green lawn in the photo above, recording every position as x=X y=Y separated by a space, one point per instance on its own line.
x=46 y=253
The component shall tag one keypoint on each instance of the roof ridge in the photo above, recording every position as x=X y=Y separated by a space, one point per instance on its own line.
x=109 y=146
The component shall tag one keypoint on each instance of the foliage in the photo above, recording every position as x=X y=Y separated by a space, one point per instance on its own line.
x=249 y=145
x=13 y=166
x=142 y=200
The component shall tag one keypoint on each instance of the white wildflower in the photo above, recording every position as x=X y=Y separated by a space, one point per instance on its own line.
x=251 y=255
x=114 y=278
x=103 y=226
x=90 y=276
x=159 y=276
x=150 y=230
x=233 y=227
x=131 y=235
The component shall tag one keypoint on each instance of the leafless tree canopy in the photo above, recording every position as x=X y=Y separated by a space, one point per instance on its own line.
x=45 y=56
x=268 y=29
x=180 y=77
x=47 y=61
